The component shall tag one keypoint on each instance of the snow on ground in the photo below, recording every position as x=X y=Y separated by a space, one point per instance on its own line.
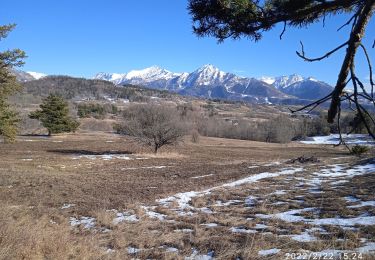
x=301 y=213
x=133 y=250
x=124 y=216
x=196 y=256
x=268 y=252
x=146 y=167
x=335 y=174
x=152 y=214
x=105 y=157
x=333 y=139
x=86 y=222
x=242 y=230
x=370 y=203
x=203 y=176
x=183 y=199
x=67 y=206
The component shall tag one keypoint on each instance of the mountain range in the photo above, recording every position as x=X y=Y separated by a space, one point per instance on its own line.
x=210 y=82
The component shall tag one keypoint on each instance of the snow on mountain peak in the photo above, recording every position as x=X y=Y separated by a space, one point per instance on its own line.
x=268 y=80
x=206 y=75
x=36 y=75
x=312 y=79
x=285 y=81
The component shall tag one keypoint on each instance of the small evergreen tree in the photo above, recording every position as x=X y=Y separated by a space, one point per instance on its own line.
x=54 y=115
x=8 y=85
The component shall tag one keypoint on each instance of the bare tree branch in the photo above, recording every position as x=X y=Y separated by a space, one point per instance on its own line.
x=302 y=54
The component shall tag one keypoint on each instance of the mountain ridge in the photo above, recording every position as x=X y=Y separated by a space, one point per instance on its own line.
x=209 y=81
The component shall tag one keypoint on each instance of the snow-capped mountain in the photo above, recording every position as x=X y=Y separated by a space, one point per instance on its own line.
x=23 y=76
x=207 y=81
x=308 y=88
x=282 y=81
x=210 y=82
x=36 y=75
x=300 y=87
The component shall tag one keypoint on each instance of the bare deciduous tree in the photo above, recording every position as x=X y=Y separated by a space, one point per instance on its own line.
x=153 y=125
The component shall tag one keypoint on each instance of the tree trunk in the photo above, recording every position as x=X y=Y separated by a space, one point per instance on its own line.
x=156 y=149
x=354 y=40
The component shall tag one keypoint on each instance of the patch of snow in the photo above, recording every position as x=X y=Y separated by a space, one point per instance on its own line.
x=66 y=206
x=183 y=199
x=335 y=183
x=27 y=160
x=133 y=250
x=335 y=139
x=272 y=164
x=351 y=199
x=278 y=192
x=288 y=216
x=110 y=251
x=146 y=167
x=268 y=252
x=219 y=203
x=250 y=201
x=337 y=170
x=171 y=250
x=291 y=216
x=196 y=256
x=242 y=230
x=203 y=176
x=346 y=222
x=86 y=222
x=368 y=247
x=279 y=203
x=153 y=214
x=303 y=237
x=205 y=210
x=364 y=204
x=210 y=225
x=263 y=175
x=124 y=216
x=260 y=226
x=105 y=157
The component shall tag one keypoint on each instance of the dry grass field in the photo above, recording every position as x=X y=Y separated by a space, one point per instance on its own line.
x=102 y=196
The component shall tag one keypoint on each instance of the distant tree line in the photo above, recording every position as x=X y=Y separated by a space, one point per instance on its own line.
x=83 y=89
x=95 y=110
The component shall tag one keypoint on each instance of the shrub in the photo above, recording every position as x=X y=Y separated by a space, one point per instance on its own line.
x=359 y=150
x=153 y=125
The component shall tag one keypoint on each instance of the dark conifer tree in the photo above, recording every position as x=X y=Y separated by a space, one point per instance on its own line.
x=8 y=86
x=54 y=115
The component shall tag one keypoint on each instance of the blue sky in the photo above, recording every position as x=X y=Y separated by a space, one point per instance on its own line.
x=83 y=37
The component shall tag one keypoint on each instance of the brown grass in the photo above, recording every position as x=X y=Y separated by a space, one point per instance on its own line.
x=33 y=225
